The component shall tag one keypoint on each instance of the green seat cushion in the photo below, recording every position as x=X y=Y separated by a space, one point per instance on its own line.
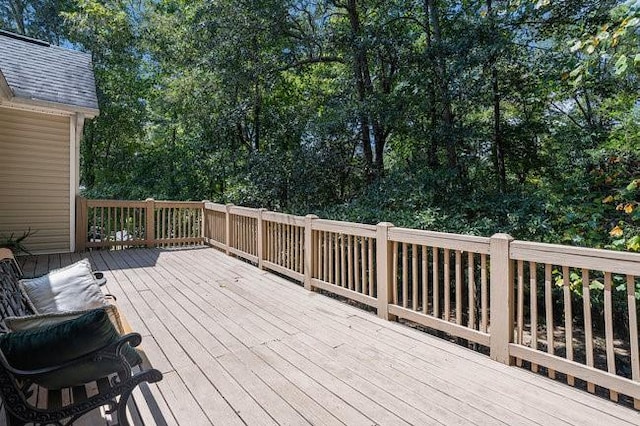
x=56 y=344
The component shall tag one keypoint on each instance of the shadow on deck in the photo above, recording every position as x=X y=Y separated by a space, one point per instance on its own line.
x=238 y=345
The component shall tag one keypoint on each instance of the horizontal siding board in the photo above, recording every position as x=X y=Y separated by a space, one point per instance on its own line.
x=37 y=214
x=40 y=140
x=36 y=177
x=42 y=238
x=34 y=168
x=42 y=226
x=30 y=120
x=53 y=207
x=36 y=157
x=34 y=128
x=36 y=193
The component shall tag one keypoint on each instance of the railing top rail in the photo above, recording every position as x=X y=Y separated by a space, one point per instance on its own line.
x=349 y=228
x=243 y=211
x=578 y=257
x=284 y=218
x=445 y=240
x=178 y=204
x=116 y=203
x=137 y=203
x=215 y=207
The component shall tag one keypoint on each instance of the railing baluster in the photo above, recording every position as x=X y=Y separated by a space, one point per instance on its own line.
x=301 y=248
x=371 y=282
x=472 y=290
x=568 y=318
x=162 y=216
x=323 y=260
x=608 y=325
x=357 y=268
x=447 y=284
x=588 y=327
x=414 y=276
x=520 y=309
x=405 y=276
x=363 y=266
x=484 y=303
x=331 y=253
x=549 y=314
x=425 y=280
x=458 y=287
x=343 y=261
x=350 y=262
x=436 y=283
x=336 y=258
x=533 y=300
x=394 y=272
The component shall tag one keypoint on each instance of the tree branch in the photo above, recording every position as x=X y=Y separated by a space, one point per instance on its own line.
x=310 y=61
x=567 y=114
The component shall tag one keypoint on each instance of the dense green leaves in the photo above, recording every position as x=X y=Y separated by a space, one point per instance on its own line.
x=473 y=116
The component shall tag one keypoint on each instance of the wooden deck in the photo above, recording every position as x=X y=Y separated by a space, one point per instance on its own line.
x=240 y=346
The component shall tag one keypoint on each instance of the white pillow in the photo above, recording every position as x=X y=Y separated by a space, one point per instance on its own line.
x=65 y=290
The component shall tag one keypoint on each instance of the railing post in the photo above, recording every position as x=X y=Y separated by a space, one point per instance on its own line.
x=81 y=224
x=308 y=250
x=204 y=229
x=502 y=298
x=151 y=222
x=261 y=238
x=227 y=228
x=383 y=269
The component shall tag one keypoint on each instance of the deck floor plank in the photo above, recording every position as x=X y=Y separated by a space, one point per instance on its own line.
x=554 y=404
x=456 y=407
x=239 y=345
x=347 y=342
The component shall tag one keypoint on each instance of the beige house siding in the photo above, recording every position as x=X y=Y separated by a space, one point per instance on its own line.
x=35 y=178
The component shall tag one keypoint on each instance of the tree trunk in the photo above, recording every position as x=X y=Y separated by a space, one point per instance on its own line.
x=447 y=109
x=364 y=89
x=433 y=111
x=257 y=109
x=498 y=145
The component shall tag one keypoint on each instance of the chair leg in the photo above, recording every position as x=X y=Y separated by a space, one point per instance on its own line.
x=13 y=420
x=122 y=409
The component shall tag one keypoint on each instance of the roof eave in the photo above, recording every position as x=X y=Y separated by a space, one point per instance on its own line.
x=52 y=106
x=5 y=91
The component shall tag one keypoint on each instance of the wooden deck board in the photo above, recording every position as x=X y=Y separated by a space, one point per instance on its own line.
x=239 y=346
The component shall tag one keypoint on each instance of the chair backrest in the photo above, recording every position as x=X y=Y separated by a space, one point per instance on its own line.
x=13 y=302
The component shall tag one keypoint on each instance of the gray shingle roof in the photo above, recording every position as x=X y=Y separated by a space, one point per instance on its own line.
x=39 y=72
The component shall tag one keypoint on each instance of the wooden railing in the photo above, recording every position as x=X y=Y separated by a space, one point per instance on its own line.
x=553 y=272
x=440 y=280
x=343 y=258
x=121 y=224
x=518 y=299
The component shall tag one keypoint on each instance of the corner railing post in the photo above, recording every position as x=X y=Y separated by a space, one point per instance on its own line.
x=383 y=267
x=227 y=228
x=261 y=238
x=308 y=250
x=82 y=224
x=151 y=222
x=502 y=298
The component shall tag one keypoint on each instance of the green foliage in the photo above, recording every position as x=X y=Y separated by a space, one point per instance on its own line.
x=468 y=116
